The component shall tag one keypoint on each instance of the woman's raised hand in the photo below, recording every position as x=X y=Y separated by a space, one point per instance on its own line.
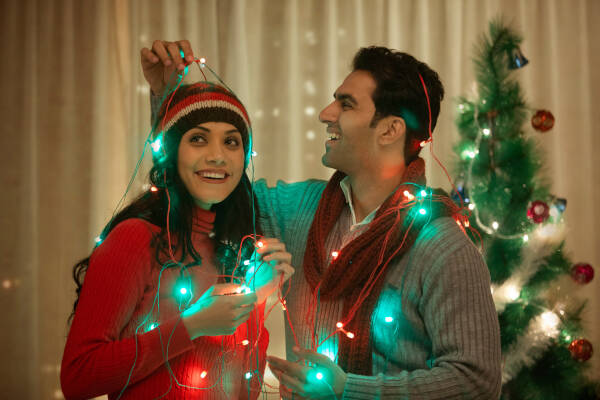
x=160 y=63
x=216 y=313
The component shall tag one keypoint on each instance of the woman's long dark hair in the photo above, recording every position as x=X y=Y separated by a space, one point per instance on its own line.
x=236 y=216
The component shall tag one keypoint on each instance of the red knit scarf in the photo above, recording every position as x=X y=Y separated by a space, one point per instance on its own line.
x=390 y=234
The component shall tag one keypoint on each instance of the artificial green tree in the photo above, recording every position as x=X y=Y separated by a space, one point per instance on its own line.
x=520 y=227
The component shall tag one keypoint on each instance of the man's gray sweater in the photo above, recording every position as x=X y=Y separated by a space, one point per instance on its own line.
x=435 y=331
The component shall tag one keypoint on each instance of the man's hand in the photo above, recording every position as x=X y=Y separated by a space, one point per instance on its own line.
x=270 y=267
x=161 y=63
x=323 y=380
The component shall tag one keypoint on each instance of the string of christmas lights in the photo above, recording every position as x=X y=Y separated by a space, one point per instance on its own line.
x=184 y=291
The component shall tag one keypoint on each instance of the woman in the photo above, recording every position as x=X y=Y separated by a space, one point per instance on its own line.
x=154 y=317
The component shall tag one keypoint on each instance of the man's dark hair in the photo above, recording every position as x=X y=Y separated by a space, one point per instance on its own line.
x=400 y=92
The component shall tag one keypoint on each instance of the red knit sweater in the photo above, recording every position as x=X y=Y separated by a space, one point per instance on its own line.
x=104 y=354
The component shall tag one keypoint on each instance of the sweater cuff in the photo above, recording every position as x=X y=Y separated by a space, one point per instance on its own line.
x=361 y=387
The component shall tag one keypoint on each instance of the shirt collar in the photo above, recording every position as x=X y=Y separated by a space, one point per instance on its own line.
x=347 y=190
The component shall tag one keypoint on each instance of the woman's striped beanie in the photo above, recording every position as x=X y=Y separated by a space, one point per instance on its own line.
x=201 y=102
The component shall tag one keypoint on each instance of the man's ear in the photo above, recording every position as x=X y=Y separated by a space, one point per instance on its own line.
x=390 y=130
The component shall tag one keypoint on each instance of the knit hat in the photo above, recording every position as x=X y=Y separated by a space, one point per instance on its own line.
x=201 y=102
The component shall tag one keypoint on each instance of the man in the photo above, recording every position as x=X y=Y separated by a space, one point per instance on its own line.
x=389 y=295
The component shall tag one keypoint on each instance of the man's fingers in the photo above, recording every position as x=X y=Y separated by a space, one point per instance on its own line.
x=287 y=394
x=284 y=391
x=292 y=383
x=312 y=356
x=266 y=244
x=148 y=57
x=277 y=363
x=286 y=269
x=276 y=371
x=174 y=51
x=289 y=368
x=270 y=245
x=185 y=46
x=280 y=256
x=158 y=48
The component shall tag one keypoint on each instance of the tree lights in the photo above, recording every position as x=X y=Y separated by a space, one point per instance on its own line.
x=521 y=224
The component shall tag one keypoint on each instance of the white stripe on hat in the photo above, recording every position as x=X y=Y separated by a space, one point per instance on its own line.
x=198 y=105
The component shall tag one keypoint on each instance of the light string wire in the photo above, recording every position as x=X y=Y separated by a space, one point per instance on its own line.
x=168 y=213
x=149 y=136
x=312 y=311
x=184 y=271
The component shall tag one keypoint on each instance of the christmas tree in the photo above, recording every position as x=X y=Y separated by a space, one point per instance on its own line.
x=520 y=226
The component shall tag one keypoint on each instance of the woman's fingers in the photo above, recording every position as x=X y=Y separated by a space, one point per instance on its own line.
x=225 y=288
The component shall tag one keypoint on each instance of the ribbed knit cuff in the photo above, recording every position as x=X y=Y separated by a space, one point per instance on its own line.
x=360 y=387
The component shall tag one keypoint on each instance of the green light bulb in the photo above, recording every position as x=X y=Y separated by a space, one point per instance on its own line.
x=156 y=145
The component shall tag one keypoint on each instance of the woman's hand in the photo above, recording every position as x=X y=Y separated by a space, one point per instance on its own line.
x=269 y=268
x=161 y=63
x=216 y=314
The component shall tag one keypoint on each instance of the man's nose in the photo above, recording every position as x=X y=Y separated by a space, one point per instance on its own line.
x=328 y=114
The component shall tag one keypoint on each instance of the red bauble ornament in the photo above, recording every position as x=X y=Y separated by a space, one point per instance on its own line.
x=581 y=349
x=582 y=273
x=542 y=121
x=538 y=211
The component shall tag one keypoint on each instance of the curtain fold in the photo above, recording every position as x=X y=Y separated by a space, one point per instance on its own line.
x=76 y=114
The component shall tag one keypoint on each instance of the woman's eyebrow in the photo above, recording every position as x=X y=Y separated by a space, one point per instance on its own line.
x=208 y=130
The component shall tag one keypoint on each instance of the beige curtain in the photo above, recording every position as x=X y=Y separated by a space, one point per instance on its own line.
x=75 y=115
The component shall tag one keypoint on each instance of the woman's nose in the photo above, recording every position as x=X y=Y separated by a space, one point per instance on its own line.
x=215 y=154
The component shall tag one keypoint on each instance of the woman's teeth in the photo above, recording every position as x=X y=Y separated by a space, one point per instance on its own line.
x=214 y=175
x=333 y=136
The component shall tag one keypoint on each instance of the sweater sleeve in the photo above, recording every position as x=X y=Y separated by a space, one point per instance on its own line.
x=461 y=321
x=96 y=359
x=286 y=206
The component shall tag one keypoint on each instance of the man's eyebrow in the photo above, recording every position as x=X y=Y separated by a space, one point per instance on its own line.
x=345 y=96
